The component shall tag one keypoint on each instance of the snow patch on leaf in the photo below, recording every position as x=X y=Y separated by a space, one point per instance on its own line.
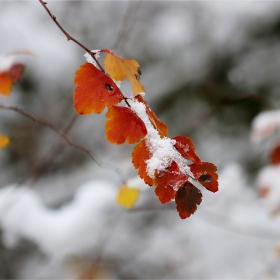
x=162 y=149
x=265 y=124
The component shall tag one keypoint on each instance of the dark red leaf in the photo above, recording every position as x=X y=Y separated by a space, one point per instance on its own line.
x=187 y=198
x=275 y=155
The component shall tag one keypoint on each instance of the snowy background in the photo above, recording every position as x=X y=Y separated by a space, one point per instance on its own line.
x=212 y=72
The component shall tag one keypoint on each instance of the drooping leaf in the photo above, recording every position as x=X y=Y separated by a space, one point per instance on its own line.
x=186 y=148
x=275 y=155
x=4 y=141
x=120 y=68
x=157 y=124
x=127 y=196
x=187 y=198
x=168 y=182
x=140 y=155
x=205 y=173
x=94 y=91
x=124 y=125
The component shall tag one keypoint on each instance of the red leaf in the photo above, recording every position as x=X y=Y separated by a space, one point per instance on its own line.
x=124 y=125
x=186 y=148
x=187 y=198
x=95 y=90
x=140 y=155
x=168 y=182
x=275 y=155
x=15 y=72
x=205 y=173
x=157 y=124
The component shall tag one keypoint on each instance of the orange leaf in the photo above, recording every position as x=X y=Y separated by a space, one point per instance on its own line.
x=4 y=141
x=187 y=198
x=94 y=91
x=5 y=83
x=120 y=68
x=124 y=125
x=127 y=196
x=9 y=77
x=160 y=126
x=140 y=155
x=205 y=173
x=186 y=148
x=275 y=155
x=168 y=182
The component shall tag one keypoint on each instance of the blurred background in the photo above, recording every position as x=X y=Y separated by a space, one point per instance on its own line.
x=209 y=69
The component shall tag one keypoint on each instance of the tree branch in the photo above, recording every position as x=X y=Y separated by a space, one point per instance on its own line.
x=63 y=135
x=69 y=37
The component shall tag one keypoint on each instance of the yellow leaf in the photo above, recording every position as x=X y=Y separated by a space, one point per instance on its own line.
x=127 y=196
x=120 y=68
x=4 y=141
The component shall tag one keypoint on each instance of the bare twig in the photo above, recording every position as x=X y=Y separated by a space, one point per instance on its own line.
x=49 y=156
x=69 y=37
x=62 y=134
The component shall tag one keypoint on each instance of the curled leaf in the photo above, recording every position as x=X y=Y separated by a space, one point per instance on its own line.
x=140 y=155
x=160 y=126
x=187 y=198
x=124 y=125
x=94 y=91
x=120 y=68
x=205 y=173
x=127 y=196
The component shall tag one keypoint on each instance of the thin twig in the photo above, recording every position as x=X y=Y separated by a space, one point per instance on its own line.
x=69 y=37
x=49 y=156
x=63 y=135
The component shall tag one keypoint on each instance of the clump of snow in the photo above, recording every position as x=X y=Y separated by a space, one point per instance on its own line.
x=6 y=61
x=162 y=149
x=265 y=124
x=72 y=229
x=90 y=59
